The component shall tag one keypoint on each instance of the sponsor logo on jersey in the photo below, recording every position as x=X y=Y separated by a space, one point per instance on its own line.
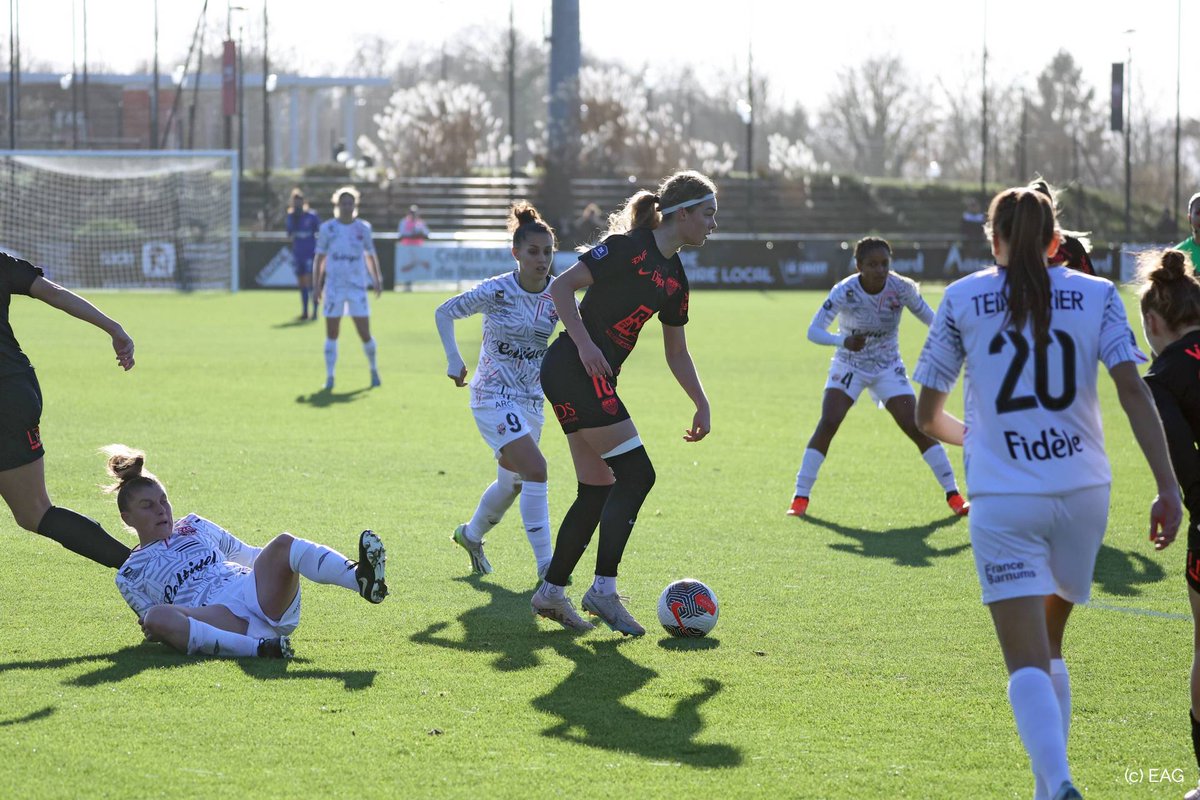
x=851 y=297
x=1007 y=571
x=1194 y=351
x=599 y=251
x=500 y=429
x=499 y=294
x=672 y=286
x=639 y=258
x=828 y=306
x=34 y=435
x=519 y=353
x=609 y=404
x=182 y=575
x=624 y=334
x=1050 y=444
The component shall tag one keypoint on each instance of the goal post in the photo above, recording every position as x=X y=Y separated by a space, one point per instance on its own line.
x=121 y=219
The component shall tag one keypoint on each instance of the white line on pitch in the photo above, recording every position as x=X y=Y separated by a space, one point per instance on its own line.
x=1139 y=611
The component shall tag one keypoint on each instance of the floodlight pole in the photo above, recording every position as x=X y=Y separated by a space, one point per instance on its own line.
x=1128 y=138
x=154 y=145
x=983 y=118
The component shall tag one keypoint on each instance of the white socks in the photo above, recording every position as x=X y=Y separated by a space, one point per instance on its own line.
x=369 y=349
x=939 y=462
x=210 y=640
x=1062 y=690
x=330 y=357
x=535 y=514
x=320 y=564
x=497 y=499
x=1039 y=724
x=604 y=584
x=809 y=467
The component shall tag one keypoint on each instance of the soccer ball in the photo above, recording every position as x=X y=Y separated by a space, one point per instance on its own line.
x=687 y=608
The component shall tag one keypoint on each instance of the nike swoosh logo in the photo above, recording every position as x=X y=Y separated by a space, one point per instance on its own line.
x=643 y=272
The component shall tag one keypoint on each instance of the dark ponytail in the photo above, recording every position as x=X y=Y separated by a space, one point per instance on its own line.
x=1024 y=220
x=523 y=219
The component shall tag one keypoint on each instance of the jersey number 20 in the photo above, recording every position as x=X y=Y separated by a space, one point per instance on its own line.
x=1006 y=402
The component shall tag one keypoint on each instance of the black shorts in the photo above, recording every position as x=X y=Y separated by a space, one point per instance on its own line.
x=1193 y=555
x=579 y=400
x=20 y=413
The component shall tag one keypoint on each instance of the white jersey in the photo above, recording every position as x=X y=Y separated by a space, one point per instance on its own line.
x=876 y=316
x=517 y=325
x=345 y=247
x=189 y=568
x=1032 y=415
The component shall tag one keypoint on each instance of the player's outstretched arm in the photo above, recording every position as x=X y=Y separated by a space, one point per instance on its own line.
x=1166 y=512
x=679 y=359
x=935 y=421
x=456 y=368
x=54 y=295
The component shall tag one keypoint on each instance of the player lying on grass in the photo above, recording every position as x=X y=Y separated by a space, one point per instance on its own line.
x=200 y=589
x=868 y=306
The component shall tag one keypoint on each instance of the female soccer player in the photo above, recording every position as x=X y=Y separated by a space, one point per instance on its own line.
x=200 y=589
x=869 y=306
x=1170 y=299
x=506 y=392
x=1031 y=337
x=1074 y=247
x=22 y=471
x=345 y=259
x=632 y=274
x=302 y=226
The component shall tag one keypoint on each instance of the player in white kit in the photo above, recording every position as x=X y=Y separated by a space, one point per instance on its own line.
x=1031 y=338
x=506 y=392
x=200 y=589
x=868 y=307
x=344 y=267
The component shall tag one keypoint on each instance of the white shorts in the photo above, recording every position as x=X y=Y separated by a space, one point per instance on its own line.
x=349 y=302
x=502 y=420
x=883 y=385
x=240 y=596
x=1029 y=545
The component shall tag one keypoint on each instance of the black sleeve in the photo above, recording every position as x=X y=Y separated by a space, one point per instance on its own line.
x=17 y=275
x=609 y=258
x=1181 y=441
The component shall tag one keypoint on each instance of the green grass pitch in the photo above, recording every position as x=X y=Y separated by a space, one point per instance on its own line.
x=852 y=658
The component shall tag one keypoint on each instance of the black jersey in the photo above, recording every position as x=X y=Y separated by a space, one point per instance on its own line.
x=631 y=281
x=16 y=276
x=1174 y=378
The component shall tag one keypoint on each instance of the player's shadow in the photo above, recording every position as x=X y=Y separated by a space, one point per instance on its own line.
x=41 y=713
x=502 y=626
x=327 y=397
x=587 y=702
x=1120 y=573
x=906 y=547
x=129 y=662
x=295 y=322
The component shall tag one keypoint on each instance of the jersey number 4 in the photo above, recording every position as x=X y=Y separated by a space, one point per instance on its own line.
x=1006 y=401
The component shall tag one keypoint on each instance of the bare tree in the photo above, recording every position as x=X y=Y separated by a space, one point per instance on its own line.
x=875 y=120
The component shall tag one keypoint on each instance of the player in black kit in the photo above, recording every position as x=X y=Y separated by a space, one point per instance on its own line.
x=1170 y=298
x=634 y=273
x=22 y=472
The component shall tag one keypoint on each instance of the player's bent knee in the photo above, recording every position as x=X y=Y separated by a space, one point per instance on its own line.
x=158 y=621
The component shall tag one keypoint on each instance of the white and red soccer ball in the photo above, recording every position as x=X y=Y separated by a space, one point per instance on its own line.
x=688 y=608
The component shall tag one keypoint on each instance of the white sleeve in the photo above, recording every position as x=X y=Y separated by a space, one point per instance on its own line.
x=917 y=305
x=943 y=354
x=445 y=328
x=135 y=595
x=235 y=549
x=460 y=306
x=818 y=329
x=322 y=240
x=1117 y=342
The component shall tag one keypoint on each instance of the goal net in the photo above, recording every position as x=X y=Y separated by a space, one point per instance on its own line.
x=123 y=219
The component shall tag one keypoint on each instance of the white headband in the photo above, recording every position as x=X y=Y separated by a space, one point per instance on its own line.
x=687 y=203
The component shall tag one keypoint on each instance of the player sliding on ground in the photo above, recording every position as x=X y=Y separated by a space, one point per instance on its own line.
x=506 y=392
x=200 y=589
x=868 y=306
